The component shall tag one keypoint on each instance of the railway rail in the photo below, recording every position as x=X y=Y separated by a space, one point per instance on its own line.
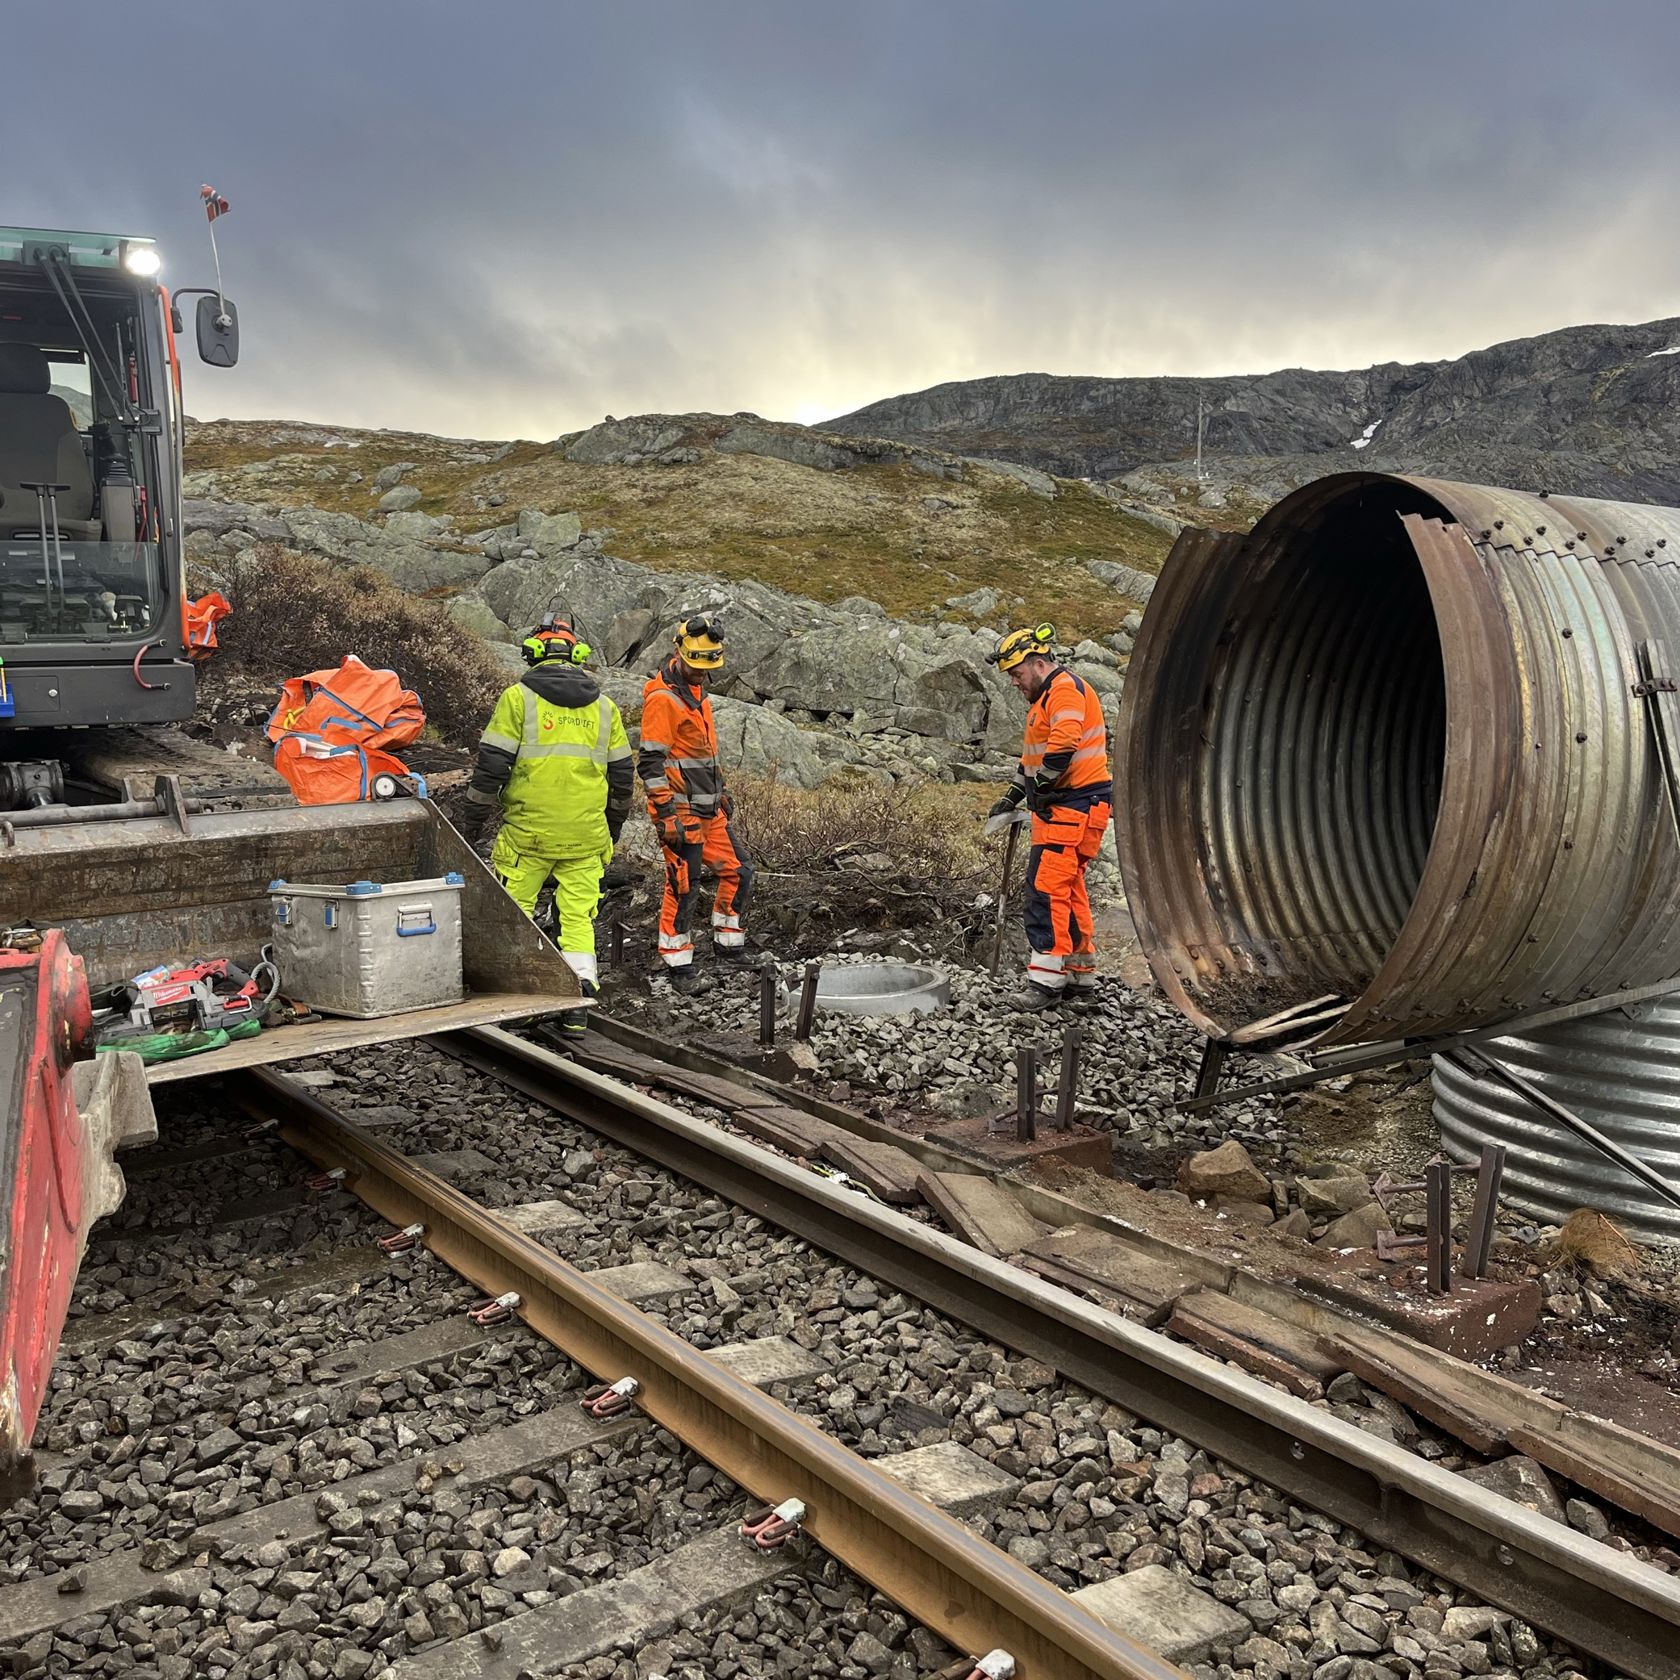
x=1597 y=1600
x=1625 y=1612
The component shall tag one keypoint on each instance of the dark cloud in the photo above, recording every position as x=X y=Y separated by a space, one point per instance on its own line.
x=512 y=218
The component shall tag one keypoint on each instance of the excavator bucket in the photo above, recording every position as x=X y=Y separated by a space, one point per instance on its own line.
x=167 y=884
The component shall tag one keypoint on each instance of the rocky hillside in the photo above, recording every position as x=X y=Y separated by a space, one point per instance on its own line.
x=735 y=497
x=634 y=523
x=1586 y=411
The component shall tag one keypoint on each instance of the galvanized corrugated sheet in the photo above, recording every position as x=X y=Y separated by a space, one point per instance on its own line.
x=1621 y=1072
x=1386 y=746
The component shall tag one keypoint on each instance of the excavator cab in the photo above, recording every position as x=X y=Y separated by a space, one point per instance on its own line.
x=92 y=591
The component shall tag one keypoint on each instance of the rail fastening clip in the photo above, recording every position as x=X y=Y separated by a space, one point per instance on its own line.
x=496 y=1311
x=607 y=1400
x=774 y=1526
x=399 y=1242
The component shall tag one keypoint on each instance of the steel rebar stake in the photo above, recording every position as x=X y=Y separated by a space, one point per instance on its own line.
x=1472 y=1263
x=1067 y=1090
x=615 y=942
x=1437 y=1178
x=767 y=985
x=1026 y=1093
x=807 y=1001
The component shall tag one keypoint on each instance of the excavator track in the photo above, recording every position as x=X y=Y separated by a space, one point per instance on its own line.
x=104 y=758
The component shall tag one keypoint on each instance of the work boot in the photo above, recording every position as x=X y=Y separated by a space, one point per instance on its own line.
x=572 y=1024
x=1031 y=998
x=684 y=980
x=742 y=956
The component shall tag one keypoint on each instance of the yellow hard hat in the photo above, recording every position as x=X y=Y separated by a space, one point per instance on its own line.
x=700 y=643
x=1016 y=645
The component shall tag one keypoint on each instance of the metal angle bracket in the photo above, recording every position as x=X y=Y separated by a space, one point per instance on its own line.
x=1662 y=712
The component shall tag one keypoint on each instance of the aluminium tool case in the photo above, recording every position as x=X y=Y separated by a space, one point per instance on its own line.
x=369 y=948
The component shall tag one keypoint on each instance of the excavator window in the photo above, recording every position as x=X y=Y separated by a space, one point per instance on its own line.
x=77 y=491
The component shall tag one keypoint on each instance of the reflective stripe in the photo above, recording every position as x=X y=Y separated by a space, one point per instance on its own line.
x=721 y=920
x=1068 y=714
x=534 y=747
x=582 y=964
x=1047 y=960
x=649 y=744
x=1085 y=754
x=728 y=940
x=563 y=749
x=651 y=782
x=616 y=754
x=695 y=763
x=505 y=742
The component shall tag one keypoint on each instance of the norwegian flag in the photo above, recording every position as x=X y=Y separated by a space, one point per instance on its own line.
x=214 y=204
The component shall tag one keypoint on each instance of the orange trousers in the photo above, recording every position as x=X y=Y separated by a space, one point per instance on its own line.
x=708 y=844
x=1058 y=909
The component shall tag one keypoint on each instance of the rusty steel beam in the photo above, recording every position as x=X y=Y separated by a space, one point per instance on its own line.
x=1601 y=1602
x=968 y=1591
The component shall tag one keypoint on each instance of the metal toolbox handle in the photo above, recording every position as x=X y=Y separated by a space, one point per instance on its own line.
x=404 y=931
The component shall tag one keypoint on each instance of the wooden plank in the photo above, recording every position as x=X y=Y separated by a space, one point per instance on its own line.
x=1104 y=1259
x=1425 y=1381
x=889 y=1172
x=1065 y=1277
x=1598 y=1473
x=790 y=1130
x=1255 y=1340
x=981 y=1211
x=1292 y=1020
x=335 y=1033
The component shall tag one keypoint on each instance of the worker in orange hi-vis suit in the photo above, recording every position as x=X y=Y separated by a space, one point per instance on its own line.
x=690 y=806
x=1064 y=780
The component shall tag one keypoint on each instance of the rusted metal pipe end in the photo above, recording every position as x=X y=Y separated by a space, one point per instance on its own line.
x=1350 y=767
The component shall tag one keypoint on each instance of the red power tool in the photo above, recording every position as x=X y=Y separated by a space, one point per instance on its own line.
x=203 y=996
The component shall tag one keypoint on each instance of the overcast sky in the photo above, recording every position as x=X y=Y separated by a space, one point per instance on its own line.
x=508 y=217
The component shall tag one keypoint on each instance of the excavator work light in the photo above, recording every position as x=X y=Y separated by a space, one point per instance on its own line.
x=142 y=260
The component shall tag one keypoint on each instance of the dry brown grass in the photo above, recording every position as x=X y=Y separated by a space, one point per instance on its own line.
x=917 y=851
x=1589 y=1241
x=293 y=613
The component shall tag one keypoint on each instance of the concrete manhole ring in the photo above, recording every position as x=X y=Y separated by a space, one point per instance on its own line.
x=882 y=987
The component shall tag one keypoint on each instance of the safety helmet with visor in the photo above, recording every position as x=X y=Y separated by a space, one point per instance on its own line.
x=699 y=642
x=1016 y=645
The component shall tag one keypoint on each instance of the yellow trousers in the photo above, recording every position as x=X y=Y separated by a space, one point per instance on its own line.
x=577 y=895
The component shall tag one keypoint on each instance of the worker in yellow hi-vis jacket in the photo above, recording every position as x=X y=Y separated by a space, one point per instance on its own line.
x=556 y=758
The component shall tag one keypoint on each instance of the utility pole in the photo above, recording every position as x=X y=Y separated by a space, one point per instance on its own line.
x=1198 y=438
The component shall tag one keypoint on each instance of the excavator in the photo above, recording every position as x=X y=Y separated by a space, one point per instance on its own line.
x=126 y=848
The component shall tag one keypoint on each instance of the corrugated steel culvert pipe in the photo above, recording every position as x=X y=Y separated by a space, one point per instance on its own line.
x=1386 y=747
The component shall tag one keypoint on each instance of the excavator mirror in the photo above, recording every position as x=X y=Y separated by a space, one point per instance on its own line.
x=218 y=330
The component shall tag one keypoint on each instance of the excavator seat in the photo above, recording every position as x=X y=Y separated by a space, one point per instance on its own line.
x=39 y=444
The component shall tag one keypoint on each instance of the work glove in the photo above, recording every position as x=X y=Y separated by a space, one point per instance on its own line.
x=1000 y=816
x=473 y=821
x=726 y=804
x=1040 y=796
x=614 y=829
x=674 y=833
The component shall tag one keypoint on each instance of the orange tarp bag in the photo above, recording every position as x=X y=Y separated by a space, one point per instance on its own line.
x=203 y=615
x=332 y=731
